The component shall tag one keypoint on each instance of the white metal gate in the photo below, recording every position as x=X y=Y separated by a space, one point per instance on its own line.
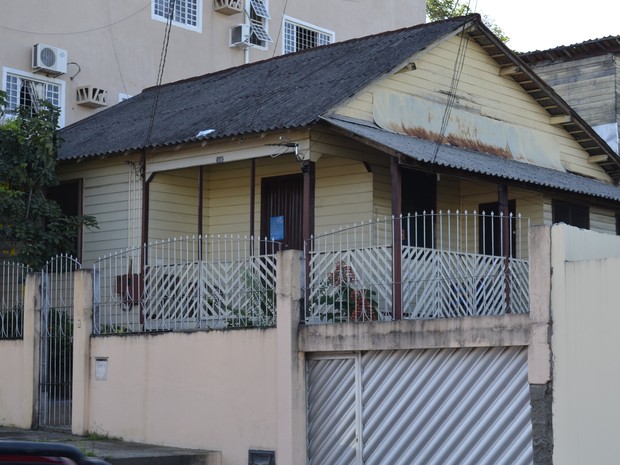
x=407 y=407
x=56 y=350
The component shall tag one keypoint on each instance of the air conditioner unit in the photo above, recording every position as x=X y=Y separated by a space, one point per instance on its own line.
x=48 y=59
x=240 y=36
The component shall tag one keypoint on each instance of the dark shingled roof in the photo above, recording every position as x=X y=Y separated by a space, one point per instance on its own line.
x=284 y=92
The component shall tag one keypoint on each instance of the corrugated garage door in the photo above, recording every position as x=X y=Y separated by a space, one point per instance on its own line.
x=446 y=406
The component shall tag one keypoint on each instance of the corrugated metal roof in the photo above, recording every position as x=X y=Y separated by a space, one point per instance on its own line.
x=284 y=92
x=588 y=48
x=425 y=151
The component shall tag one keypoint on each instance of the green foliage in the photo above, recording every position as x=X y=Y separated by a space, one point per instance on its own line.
x=32 y=227
x=443 y=9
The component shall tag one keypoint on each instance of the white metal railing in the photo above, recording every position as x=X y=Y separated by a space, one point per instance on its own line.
x=12 y=280
x=446 y=264
x=188 y=283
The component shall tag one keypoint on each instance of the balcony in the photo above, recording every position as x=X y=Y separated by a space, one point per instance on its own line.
x=447 y=265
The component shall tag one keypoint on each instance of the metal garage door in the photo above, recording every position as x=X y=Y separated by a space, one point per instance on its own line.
x=447 y=406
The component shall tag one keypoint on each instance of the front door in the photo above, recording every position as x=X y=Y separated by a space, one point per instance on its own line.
x=281 y=210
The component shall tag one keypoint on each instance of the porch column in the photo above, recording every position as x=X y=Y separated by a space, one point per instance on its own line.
x=397 y=232
x=309 y=174
x=502 y=193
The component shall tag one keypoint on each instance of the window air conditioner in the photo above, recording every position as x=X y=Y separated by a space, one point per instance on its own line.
x=240 y=35
x=50 y=60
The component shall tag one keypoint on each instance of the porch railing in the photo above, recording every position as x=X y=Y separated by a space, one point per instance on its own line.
x=452 y=264
x=12 y=280
x=184 y=284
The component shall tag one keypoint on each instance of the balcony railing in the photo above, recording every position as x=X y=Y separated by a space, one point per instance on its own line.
x=445 y=265
x=12 y=280
x=184 y=284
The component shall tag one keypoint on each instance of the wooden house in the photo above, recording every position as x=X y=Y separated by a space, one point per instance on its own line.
x=425 y=153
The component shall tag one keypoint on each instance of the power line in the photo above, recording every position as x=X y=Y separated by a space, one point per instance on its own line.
x=77 y=32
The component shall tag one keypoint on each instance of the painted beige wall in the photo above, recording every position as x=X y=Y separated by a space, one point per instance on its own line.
x=14 y=373
x=117 y=45
x=585 y=367
x=215 y=390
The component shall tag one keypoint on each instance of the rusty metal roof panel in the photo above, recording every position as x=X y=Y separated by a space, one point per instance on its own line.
x=431 y=153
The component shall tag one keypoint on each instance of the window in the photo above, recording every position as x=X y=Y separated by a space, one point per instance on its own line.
x=27 y=90
x=300 y=36
x=187 y=13
x=497 y=233
x=571 y=214
x=262 y=457
x=259 y=15
x=68 y=195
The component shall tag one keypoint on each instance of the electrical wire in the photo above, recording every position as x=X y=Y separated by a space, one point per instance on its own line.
x=84 y=31
x=459 y=62
x=160 y=71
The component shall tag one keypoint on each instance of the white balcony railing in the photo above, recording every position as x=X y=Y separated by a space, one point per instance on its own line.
x=189 y=283
x=445 y=265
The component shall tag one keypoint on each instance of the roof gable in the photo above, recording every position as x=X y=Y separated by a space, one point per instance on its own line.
x=283 y=92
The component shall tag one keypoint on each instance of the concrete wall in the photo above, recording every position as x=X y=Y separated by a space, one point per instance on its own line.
x=19 y=361
x=223 y=390
x=586 y=373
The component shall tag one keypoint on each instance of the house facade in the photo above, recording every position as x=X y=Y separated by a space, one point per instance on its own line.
x=85 y=56
x=586 y=75
x=343 y=264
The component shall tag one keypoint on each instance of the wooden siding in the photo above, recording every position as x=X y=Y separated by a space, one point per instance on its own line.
x=602 y=220
x=106 y=197
x=482 y=92
x=173 y=204
x=586 y=85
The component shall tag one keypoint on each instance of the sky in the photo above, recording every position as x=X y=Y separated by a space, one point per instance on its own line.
x=542 y=24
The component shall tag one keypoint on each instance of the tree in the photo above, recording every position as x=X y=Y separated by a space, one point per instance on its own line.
x=33 y=228
x=444 y=9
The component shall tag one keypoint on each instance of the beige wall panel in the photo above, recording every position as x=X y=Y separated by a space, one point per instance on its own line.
x=585 y=320
x=12 y=365
x=168 y=397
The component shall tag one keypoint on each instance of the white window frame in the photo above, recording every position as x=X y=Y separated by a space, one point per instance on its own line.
x=264 y=23
x=299 y=23
x=37 y=78
x=190 y=27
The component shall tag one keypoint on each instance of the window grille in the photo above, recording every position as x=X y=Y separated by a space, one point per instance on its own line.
x=25 y=92
x=186 y=12
x=299 y=37
x=259 y=15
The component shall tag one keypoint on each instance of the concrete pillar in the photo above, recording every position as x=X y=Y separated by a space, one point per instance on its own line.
x=539 y=349
x=82 y=330
x=32 y=345
x=291 y=429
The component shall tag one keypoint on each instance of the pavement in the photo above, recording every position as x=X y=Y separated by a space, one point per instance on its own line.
x=115 y=451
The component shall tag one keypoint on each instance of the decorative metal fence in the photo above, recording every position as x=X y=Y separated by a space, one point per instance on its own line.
x=184 y=284
x=12 y=280
x=445 y=265
x=56 y=347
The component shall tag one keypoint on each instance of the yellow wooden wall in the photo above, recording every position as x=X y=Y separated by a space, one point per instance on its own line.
x=481 y=91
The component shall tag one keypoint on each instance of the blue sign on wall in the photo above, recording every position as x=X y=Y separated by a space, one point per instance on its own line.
x=276 y=228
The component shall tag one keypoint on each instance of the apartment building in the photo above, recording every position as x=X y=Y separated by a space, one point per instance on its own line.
x=85 y=55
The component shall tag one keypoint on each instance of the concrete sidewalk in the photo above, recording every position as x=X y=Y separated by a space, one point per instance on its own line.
x=115 y=451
